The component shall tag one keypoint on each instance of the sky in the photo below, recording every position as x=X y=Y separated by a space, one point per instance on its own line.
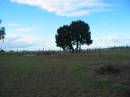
x=33 y=24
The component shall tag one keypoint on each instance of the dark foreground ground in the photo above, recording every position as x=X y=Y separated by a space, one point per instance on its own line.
x=71 y=75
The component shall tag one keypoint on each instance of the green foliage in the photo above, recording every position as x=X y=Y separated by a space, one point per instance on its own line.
x=77 y=33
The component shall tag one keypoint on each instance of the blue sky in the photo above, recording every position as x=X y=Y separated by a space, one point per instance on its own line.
x=32 y=24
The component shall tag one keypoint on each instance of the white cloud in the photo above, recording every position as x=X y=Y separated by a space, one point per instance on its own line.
x=24 y=29
x=22 y=41
x=19 y=28
x=67 y=7
x=28 y=41
x=21 y=37
x=111 y=41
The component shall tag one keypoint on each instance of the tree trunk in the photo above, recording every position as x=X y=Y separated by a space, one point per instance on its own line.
x=77 y=46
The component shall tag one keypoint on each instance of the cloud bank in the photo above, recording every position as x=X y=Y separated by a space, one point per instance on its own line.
x=32 y=42
x=67 y=7
x=110 y=42
x=23 y=38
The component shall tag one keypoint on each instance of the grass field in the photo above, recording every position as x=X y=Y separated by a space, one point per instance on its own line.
x=70 y=75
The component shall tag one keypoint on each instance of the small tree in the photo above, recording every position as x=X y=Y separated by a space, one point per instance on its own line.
x=2 y=32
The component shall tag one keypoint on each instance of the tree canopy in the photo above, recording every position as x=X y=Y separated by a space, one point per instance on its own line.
x=63 y=37
x=2 y=32
x=75 y=34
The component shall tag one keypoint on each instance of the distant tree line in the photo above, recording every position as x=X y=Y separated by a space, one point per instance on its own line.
x=120 y=47
x=71 y=37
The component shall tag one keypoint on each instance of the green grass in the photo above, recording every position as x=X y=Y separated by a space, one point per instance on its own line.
x=71 y=75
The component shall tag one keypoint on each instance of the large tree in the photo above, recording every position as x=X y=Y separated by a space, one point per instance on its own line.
x=81 y=33
x=2 y=32
x=77 y=33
